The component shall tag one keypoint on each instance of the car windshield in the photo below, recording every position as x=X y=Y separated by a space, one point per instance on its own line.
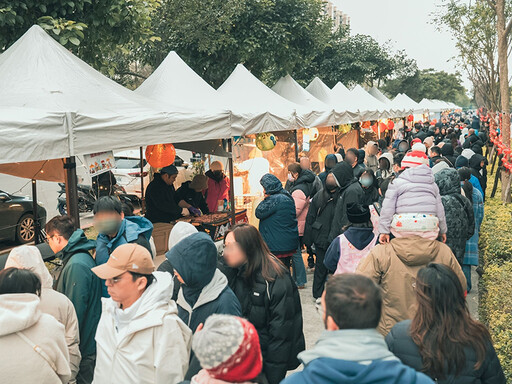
x=123 y=163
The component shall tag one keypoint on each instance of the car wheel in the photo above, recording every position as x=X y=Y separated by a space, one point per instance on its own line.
x=25 y=229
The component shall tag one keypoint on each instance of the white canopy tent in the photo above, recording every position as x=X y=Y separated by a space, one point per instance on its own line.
x=405 y=102
x=372 y=103
x=54 y=105
x=256 y=108
x=322 y=114
x=355 y=103
x=375 y=92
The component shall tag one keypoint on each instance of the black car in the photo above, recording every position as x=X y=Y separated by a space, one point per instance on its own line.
x=17 y=218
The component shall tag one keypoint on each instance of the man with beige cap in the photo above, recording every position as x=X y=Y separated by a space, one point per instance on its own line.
x=140 y=338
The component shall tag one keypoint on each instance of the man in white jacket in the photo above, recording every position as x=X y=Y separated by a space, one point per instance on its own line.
x=140 y=338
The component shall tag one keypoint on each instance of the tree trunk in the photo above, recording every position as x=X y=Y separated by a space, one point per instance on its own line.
x=504 y=92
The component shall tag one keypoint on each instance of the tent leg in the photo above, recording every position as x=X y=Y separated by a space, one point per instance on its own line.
x=296 y=139
x=231 y=183
x=35 y=209
x=142 y=204
x=71 y=190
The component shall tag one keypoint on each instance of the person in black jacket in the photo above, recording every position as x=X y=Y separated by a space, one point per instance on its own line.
x=161 y=204
x=350 y=192
x=442 y=340
x=278 y=220
x=318 y=226
x=269 y=298
x=190 y=195
x=204 y=289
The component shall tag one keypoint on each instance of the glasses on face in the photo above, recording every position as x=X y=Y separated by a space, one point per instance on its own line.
x=48 y=238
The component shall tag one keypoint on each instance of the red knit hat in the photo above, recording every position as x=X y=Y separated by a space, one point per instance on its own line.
x=414 y=159
x=228 y=347
x=414 y=141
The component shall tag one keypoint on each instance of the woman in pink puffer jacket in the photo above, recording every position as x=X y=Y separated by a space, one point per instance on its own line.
x=413 y=192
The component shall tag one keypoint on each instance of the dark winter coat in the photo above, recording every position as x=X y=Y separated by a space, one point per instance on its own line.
x=274 y=308
x=305 y=183
x=192 y=197
x=206 y=291
x=448 y=153
x=161 y=205
x=323 y=175
x=278 y=219
x=460 y=218
x=82 y=287
x=350 y=192
x=358 y=170
x=319 y=219
x=474 y=164
x=400 y=343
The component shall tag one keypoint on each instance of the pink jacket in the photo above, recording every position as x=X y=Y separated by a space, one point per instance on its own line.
x=301 y=209
x=217 y=190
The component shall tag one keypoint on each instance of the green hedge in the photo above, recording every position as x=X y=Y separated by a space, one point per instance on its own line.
x=496 y=285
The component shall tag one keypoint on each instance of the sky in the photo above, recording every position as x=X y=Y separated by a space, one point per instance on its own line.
x=409 y=25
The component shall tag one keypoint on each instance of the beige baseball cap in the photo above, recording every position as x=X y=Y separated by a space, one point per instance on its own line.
x=126 y=258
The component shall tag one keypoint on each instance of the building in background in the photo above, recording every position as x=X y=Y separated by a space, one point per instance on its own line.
x=333 y=10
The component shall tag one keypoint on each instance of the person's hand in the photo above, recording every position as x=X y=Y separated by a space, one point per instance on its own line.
x=442 y=237
x=194 y=211
x=199 y=327
x=384 y=238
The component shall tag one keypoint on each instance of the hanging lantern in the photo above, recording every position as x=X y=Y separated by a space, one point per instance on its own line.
x=265 y=141
x=345 y=128
x=433 y=122
x=366 y=124
x=160 y=155
x=410 y=118
x=313 y=134
x=391 y=125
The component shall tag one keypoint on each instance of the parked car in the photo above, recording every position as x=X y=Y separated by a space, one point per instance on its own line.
x=17 y=218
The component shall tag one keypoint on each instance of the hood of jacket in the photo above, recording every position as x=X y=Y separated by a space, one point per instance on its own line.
x=344 y=174
x=361 y=156
x=78 y=242
x=271 y=184
x=389 y=157
x=447 y=150
x=359 y=237
x=195 y=259
x=448 y=181
x=330 y=156
x=332 y=370
x=131 y=228
x=414 y=250
x=475 y=161
x=306 y=176
x=358 y=345
x=209 y=293
x=214 y=177
x=461 y=162
x=419 y=174
x=29 y=257
x=19 y=312
x=144 y=312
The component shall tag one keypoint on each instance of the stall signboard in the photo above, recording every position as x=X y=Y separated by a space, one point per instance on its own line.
x=100 y=162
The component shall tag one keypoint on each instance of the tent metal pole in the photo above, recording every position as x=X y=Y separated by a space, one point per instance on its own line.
x=296 y=139
x=231 y=183
x=35 y=209
x=72 y=190
x=142 y=204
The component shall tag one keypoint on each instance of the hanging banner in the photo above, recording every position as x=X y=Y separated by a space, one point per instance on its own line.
x=100 y=162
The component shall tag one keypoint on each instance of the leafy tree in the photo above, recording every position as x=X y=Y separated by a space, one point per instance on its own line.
x=270 y=37
x=103 y=33
x=429 y=84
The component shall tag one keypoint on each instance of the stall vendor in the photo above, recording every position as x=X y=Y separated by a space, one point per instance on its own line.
x=218 y=186
x=161 y=204
x=190 y=195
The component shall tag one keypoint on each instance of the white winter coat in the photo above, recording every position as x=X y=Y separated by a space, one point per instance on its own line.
x=21 y=363
x=52 y=302
x=154 y=345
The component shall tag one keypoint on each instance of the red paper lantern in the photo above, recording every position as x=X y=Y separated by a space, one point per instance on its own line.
x=382 y=127
x=391 y=125
x=410 y=118
x=433 y=122
x=160 y=155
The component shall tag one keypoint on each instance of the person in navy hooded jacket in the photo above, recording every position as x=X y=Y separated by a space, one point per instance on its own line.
x=114 y=229
x=278 y=219
x=351 y=350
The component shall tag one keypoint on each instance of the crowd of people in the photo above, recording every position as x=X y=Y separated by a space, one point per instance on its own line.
x=390 y=230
